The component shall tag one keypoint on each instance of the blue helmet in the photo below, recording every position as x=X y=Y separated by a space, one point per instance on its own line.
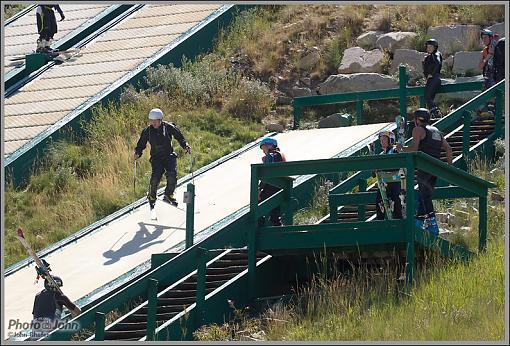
x=269 y=141
x=486 y=32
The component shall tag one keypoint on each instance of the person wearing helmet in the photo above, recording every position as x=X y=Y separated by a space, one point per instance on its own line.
x=430 y=140
x=269 y=146
x=393 y=189
x=47 y=310
x=486 y=62
x=163 y=158
x=46 y=26
x=432 y=64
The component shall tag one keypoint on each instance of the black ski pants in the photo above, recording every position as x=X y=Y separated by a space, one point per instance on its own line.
x=393 y=193
x=426 y=186
x=267 y=191
x=165 y=165
x=431 y=88
x=46 y=24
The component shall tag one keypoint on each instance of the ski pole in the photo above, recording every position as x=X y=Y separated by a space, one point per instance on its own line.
x=134 y=181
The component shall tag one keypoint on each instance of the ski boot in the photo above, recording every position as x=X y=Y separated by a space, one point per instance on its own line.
x=432 y=226
x=170 y=199
x=420 y=223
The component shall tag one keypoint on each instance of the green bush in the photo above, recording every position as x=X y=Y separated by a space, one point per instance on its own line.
x=251 y=101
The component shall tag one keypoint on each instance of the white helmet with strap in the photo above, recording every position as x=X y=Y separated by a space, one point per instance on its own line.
x=155 y=114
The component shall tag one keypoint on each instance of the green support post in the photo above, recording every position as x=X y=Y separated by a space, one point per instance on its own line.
x=499 y=113
x=402 y=82
x=288 y=215
x=333 y=211
x=100 y=325
x=410 y=223
x=466 y=137
x=422 y=102
x=190 y=214
x=362 y=183
x=201 y=278
x=252 y=232
x=152 y=303
x=482 y=223
x=297 y=116
x=359 y=112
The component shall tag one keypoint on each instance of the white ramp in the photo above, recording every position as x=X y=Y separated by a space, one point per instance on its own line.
x=112 y=250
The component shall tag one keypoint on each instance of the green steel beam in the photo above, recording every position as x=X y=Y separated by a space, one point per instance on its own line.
x=312 y=238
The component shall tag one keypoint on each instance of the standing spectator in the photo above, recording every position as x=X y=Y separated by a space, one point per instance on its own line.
x=432 y=64
x=47 y=26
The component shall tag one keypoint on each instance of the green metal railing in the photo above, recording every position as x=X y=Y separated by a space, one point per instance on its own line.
x=401 y=93
x=356 y=233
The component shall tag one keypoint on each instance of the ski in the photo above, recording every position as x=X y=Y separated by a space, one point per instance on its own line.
x=175 y=205
x=66 y=55
x=401 y=138
x=381 y=186
x=43 y=269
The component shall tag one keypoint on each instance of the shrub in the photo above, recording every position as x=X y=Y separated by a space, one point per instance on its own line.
x=252 y=100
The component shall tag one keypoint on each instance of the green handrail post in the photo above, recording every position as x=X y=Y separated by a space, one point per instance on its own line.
x=402 y=83
x=410 y=220
x=362 y=183
x=100 y=325
x=190 y=214
x=422 y=101
x=359 y=112
x=288 y=215
x=152 y=299
x=499 y=113
x=333 y=211
x=466 y=138
x=201 y=278
x=297 y=115
x=482 y=223
x=252 y=232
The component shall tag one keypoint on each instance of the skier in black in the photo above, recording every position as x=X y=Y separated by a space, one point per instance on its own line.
x=499 y=60
x=432 y=64
x=272 y=154
x=47 y=26
x=430 y=140
x=393 y=189
x=48 y=305
x=163 y=158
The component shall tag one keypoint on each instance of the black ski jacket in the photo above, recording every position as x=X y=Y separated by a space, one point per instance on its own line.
x=160 y=140
x=47 y=302
x=432 y=64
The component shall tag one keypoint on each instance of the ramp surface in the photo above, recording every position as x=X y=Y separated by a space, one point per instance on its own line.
x=53 y=96
x=112 y=250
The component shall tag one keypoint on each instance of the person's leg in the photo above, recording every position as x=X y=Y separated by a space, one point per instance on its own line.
x=434 y=85
x=171 y=176
x=157 y=172
x=379 y=207
x=394 y=195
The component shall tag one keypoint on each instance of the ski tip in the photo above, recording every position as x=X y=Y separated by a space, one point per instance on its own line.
x=19 y=232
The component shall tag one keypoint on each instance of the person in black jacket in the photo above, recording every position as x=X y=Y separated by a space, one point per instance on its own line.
x=47 y=26
x=47 y=310
x=163 y=158
x=427 y=139
x=499 y=60
x=432 y=64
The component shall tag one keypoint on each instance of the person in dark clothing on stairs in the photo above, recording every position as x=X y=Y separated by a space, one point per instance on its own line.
x=430 y=140
x=47 y=311
x=47 y=26
x=163 y=158
x=432 y=64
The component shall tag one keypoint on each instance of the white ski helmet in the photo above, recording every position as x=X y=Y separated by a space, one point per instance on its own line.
x=155 y=113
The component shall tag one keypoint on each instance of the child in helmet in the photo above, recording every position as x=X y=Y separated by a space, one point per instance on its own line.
x=272 y=154
x=432 y=64
x=487 y=65
x=393 y=189
x=163 y=158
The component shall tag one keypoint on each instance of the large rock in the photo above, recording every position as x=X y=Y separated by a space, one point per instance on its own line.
x=367 y=40
x=309 y=59
x=356 y=60
x=273 y=127
x=335 y=120
x=456 y=38
x=395 y=40
x=498 y=28
x=466 y=62
x=461 y=96
x=356 y=82
x=409 y=57
x=298 y=92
